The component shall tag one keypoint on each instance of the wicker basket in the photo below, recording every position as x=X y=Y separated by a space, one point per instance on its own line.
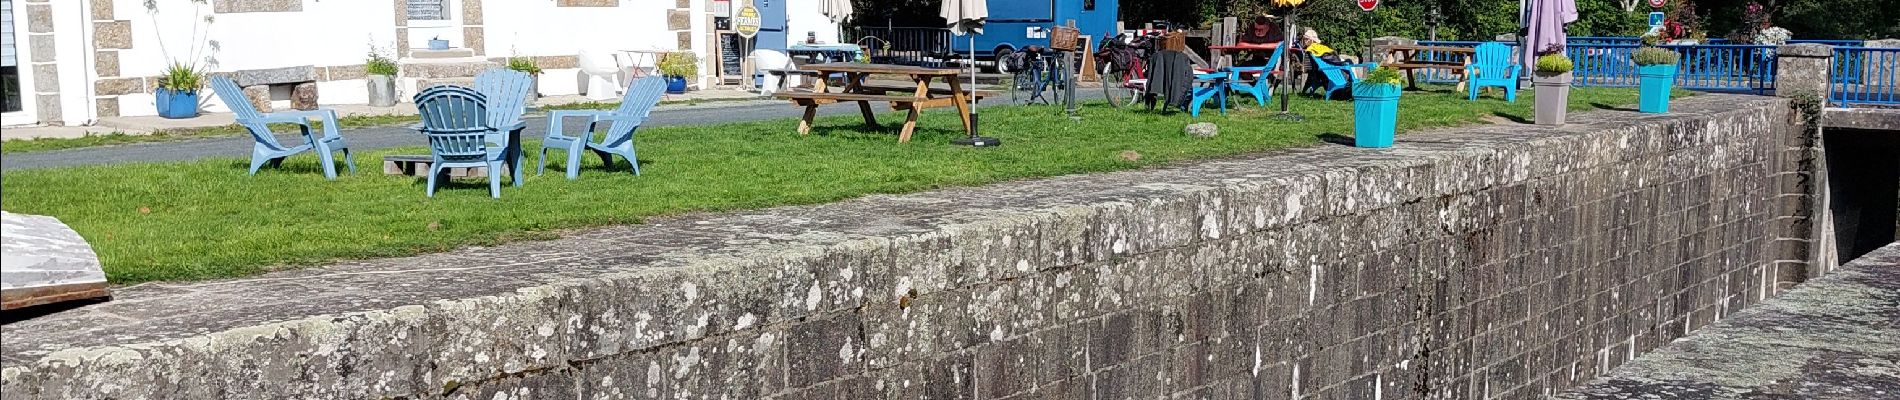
x=1064 y=38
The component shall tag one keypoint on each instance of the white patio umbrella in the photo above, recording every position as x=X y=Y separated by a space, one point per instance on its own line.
x=838 y=11
x=966 y=18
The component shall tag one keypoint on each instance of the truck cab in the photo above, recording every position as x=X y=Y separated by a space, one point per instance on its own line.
x=1015 y=24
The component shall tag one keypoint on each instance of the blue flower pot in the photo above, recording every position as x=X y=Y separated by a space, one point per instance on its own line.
x=177 y=105
x=1375 y=114
x=676 y=84
x=438 y=44
x=1655 y=83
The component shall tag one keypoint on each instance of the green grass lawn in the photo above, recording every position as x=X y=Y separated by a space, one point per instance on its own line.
x=206 y=219
x=348 y=122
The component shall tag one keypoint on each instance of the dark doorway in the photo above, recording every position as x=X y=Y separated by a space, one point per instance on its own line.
x=1864 y=188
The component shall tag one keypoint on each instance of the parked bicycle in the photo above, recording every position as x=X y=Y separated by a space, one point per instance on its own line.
x=1122 y=66
x=1038 y=75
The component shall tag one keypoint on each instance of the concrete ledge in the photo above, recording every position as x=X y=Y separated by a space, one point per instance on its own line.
x=1873 y=119
x=1832 y=338
x=1501 y=258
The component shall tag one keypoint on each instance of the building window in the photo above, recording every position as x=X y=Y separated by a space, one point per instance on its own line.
x=427 y=10
x=1088 y=5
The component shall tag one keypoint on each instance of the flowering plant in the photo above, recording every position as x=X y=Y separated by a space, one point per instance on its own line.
x=1774 y=35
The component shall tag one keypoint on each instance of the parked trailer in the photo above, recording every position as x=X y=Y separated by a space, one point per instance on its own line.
x=1021 y=23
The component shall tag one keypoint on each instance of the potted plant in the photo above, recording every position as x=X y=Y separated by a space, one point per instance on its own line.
x=1656 y=76
x=177 y=94
x=380 y=72
x=436 y=43
x=1551 y=81
x=678 y=67
x=528 y=66
x=1375 y=108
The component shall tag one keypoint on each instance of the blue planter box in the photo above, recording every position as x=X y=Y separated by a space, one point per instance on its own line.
x=438 y=44
x=1375 y=114
x=1655 y=83
x=676 y=84
x=177 y=105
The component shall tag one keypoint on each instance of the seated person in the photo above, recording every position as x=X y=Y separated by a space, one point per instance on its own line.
x=1264 y=34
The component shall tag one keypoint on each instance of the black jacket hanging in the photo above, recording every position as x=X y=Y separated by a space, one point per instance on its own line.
x=1170 y=76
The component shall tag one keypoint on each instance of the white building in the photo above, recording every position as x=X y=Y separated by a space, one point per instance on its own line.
x=71 y=62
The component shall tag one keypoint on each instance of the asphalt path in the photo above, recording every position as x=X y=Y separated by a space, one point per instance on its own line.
x=366 y=139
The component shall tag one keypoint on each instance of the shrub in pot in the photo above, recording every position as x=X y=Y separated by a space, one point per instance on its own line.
x=177 y=94
x=1375 y=108
x=678 y=67
x=1656 y=77
x=1551 y=80
x=380 y=72
x=528 y=66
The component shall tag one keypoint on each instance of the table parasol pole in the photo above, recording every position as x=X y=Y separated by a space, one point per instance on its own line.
x=974 y=140
x=1286 y=65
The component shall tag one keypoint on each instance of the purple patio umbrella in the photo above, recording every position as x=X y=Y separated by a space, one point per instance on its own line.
x=1545 y=20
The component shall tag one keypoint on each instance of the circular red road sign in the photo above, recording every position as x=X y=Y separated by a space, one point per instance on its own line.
x=1658 y=3
x=1368 y=5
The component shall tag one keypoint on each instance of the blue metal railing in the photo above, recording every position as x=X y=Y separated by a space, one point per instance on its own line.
x=1703 y=67
x=1864 y=76
x=909 y=46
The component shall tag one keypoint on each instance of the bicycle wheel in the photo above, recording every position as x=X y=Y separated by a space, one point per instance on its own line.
x=1022 y=86
x=1115 y=88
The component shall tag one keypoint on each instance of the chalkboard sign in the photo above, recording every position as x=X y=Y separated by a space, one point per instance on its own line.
x=428 y=10
x=732 y=49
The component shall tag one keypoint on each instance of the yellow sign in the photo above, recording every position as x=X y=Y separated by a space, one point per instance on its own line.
x=746 y=21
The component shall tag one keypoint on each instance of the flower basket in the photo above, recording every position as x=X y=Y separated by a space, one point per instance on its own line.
x=1375 y=113
x=1655 y=82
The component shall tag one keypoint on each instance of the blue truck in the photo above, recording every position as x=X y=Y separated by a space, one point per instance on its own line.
x=1015 y=24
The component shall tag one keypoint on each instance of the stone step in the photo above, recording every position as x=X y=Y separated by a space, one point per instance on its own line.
x=433 y=54
x=446 y=67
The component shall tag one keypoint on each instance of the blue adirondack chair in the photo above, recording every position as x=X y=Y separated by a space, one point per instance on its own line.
x=456 y=121
x=1492 y=66
x=1260 y=86
x=1209 y=86
x=265 y=148
x=640 y=98
x=1338 y=77
x=507 y=92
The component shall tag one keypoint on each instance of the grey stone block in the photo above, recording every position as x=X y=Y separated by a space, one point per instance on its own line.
x=47 y=262
x=274 y=76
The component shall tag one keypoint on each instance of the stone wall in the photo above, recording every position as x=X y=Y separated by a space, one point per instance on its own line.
x=1500 y=261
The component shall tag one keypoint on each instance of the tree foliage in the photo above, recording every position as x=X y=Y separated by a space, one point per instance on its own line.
x=1341 y=24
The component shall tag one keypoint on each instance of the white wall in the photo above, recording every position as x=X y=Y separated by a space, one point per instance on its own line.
x=72 y=23
x=325 y=33
x=804 y=16
x=536 y=28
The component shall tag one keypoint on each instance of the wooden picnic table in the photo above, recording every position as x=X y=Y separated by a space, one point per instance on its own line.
x=913 y=97
x=1401 y=57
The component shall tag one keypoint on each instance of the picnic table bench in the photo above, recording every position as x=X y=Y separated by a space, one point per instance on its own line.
x=1403 y=57
x=920 y=94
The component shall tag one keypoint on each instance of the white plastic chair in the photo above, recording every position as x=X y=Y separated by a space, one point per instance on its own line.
x=602 y=74
x=766 y=60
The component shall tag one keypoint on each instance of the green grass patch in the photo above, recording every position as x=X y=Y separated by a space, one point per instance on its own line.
x=205 y=219
x=117 y=138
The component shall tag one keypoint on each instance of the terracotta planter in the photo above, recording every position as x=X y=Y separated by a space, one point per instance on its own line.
x=1553 y=97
